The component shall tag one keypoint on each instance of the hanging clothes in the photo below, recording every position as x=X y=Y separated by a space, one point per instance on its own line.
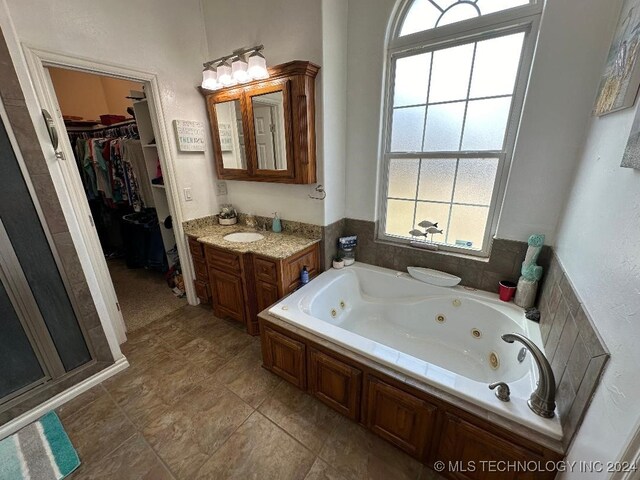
x=135 y=168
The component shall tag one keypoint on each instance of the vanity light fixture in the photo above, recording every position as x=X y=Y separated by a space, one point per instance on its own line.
x=224 y=74
x=240 y=70
x=258 y=66
x=210 y=79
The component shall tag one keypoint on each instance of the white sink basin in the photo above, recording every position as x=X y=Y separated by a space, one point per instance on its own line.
x=243 y=237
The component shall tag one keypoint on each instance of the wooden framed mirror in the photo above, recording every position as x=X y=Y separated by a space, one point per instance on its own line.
x=270 y=129
x=228 y=127
x=264 y=130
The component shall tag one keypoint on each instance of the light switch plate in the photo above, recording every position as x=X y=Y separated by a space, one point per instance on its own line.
x=187 y=194
x=222 y=188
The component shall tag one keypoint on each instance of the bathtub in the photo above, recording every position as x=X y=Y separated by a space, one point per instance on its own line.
x=446 y=337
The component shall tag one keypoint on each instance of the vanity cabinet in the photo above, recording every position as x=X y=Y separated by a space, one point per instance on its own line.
x=240 y=285
x=201 y=282
x=423 y=424
x=264 y=130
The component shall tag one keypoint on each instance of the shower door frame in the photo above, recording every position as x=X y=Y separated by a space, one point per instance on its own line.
x=17 y=287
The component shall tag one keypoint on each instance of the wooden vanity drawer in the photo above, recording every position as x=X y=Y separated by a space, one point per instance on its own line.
x=223 y=260
x=266 y=270
x=200 y=267
x=195 y=247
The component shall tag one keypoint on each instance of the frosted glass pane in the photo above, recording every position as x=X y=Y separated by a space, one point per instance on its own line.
x=467 y=225
x=436 y=213
x=403 y=178
x=451 y=73
x=422 y=15
x=399 y=217
x=436 y=179
x=486 y=124
x=490 y=6
x=458 y=13
x=496 y=66
x=406 y=130
x=476 y=178
x=444 y=126
x=412 y=80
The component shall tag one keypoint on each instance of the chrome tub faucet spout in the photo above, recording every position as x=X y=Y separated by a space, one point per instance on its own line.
x=543 y=398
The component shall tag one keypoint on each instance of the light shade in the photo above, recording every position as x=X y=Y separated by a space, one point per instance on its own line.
x=224 y=74
x=210 y=79
x=258 y=66
x=239 y=69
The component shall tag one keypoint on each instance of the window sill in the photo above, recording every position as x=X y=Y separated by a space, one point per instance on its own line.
x=480 y=258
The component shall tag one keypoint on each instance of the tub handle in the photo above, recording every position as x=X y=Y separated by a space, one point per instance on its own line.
x=503 y=392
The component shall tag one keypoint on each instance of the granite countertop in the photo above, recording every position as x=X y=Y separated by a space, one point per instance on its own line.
x=273 y=245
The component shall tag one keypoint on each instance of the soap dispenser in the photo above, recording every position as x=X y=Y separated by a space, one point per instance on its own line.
x=277 y=224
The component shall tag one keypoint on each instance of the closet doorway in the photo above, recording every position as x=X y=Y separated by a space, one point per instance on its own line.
x=111 y=133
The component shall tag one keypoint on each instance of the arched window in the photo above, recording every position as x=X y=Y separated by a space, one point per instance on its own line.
x=457 y=74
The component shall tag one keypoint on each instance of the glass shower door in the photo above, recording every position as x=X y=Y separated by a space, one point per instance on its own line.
x=21 y=368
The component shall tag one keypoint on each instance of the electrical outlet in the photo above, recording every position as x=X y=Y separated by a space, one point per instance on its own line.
x=222 y=188
x=187 y=195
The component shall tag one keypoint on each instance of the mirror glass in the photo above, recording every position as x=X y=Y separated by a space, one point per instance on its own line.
x=268 y=120
x=231 y=139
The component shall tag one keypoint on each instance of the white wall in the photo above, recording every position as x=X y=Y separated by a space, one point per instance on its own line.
x=162 y=37
x=367 y=27
x=599 y=246
x=553 y=123
x=555 y=116
x=289 y=30
x=334 y=97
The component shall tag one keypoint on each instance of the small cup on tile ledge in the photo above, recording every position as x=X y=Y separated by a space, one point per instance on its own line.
x=507 y=290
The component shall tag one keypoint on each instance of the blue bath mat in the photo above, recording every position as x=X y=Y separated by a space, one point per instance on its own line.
x=39 y=451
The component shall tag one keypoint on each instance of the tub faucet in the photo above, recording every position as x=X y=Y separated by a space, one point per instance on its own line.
x=543 y=399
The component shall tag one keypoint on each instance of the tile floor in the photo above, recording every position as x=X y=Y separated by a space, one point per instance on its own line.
x=196 y=404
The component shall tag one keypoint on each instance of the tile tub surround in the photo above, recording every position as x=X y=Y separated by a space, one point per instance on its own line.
x=504 y=262
x=573 y=346
x=61 y=243
x=224 y=416
x=330 y=235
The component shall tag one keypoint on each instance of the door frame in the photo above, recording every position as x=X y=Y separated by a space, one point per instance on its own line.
x=38 y=60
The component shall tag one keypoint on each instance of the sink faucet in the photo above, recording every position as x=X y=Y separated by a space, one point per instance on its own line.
x=543 y=399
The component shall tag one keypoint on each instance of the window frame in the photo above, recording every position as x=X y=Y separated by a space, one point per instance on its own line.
x=524 y=19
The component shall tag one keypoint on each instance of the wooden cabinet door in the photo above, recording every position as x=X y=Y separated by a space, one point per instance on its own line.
x=400 y=418
x=266 y=294
x=284 y=357
x=227 y=294
x=335 y=383
x=470 y=448
x=202 y=291
x=293 y=267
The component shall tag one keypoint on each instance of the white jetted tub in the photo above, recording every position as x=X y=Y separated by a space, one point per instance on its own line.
x=449 y=338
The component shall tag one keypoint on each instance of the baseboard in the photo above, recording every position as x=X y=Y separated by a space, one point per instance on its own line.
x=53 y=403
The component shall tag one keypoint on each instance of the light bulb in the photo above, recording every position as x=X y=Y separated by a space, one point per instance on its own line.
x=239 y=70
x=209 y=79
x=258 y=66
x=224 y=74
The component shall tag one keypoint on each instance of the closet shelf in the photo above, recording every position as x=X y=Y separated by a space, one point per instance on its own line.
x=157 y=186
x=150 y=145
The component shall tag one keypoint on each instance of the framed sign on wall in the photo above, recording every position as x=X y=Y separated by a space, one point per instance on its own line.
x=189 y=135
